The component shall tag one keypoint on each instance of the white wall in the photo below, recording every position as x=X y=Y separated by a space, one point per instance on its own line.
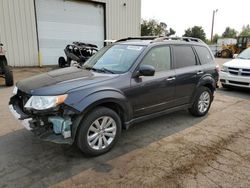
x=18 y=26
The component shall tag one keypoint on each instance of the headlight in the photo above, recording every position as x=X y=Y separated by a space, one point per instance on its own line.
x=44 y=102
x=224 y=69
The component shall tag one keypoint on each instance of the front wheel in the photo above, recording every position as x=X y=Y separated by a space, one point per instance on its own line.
x=99 y=131
x=62 y=62
x=225 y=53
x=202 y=102
x=225 y=86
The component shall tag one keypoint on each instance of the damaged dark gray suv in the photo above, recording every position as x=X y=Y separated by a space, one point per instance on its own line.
x=132 y=80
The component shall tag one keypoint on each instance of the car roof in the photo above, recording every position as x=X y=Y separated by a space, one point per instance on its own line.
x=146 y=41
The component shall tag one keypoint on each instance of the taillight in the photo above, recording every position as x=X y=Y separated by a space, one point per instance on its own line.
x=217 y=68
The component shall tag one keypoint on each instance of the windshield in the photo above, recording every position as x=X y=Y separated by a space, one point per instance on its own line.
x=114 y=59
x=244 y=54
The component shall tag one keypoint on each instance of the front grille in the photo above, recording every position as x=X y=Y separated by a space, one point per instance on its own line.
x=239 y=71
x=239 y=83
x=247 y=70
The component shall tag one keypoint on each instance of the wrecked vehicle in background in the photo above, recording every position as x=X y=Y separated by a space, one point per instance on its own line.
x=5 y=71
x=77 y=54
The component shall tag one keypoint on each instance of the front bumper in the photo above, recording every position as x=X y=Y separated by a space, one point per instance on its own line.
x=234 y=80
x=24 y=122
x=40 y=126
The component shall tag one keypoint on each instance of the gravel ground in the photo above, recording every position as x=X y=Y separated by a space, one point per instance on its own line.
x=176 y=150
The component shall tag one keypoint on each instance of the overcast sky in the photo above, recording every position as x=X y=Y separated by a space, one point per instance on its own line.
x=182 y=14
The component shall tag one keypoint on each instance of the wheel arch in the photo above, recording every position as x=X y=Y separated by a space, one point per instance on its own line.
x=205 y=81
x=110 y=99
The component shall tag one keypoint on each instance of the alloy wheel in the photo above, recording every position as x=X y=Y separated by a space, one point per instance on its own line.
x=204 y=102
x=101 y=133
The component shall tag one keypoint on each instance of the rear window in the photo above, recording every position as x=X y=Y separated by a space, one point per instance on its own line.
x=184 y=56
x=204 y=54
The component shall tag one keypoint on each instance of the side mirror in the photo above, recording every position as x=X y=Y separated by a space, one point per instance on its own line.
x=146 y=70
x=235 y=55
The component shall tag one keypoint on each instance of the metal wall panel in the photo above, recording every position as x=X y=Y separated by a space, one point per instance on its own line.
x=18 y=32
x=123 y=18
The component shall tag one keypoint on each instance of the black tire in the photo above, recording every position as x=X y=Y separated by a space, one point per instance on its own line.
x=3 y=62
x=8 y=76
x=225 y=54
x=194 y=110
x=89 y=119
x=61 y=62
x=68 y=62
x=225 y=86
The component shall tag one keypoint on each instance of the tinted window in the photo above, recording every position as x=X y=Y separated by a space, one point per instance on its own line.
x=184 y=56
x=159 y=58
x=204 y=55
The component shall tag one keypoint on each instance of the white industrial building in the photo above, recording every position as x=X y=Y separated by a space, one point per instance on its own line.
x=35 y=32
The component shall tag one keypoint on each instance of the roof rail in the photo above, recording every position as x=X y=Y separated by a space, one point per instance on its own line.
x=138 y=38
x=187 y=39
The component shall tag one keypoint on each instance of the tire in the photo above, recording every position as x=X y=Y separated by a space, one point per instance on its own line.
x=68 y=62
x=196 y=109
x=88 y=130
x=61 y=62
x=8 y=76
x=225 y=86
x=225 y=53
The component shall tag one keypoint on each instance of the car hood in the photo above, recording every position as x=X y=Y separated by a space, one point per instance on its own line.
x=238 y=63
x=61 y=81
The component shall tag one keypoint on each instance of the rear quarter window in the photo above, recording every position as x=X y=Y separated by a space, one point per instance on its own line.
x=203 y=54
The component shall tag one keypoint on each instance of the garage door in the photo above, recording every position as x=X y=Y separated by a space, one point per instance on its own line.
x=61 y=22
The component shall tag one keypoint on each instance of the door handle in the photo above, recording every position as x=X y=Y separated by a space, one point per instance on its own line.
x=170 y=79
x=199 y=72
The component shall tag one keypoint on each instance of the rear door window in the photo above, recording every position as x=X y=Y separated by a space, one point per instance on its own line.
x=204 y=54
x=184 y=56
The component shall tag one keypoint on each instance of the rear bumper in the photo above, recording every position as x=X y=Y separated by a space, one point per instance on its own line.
x=234 y=80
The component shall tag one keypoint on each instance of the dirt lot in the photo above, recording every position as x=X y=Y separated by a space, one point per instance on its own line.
x=176 y=150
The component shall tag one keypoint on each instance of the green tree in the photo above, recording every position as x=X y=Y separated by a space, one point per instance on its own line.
x=229 y=33
x=215 y=38
x=245 y=30
x=170 y=32
x=196 y=32
x=154 y=28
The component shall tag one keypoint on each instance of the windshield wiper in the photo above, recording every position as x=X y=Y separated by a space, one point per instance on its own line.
x=90 y=68
x=99 y=70
x=103 y=69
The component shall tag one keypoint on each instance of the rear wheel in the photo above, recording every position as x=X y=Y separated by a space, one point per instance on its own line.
x=202 y=102
x=99 y=131
x=8 y=76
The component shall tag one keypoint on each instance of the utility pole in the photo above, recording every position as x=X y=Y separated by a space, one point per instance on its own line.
x=212 y=30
